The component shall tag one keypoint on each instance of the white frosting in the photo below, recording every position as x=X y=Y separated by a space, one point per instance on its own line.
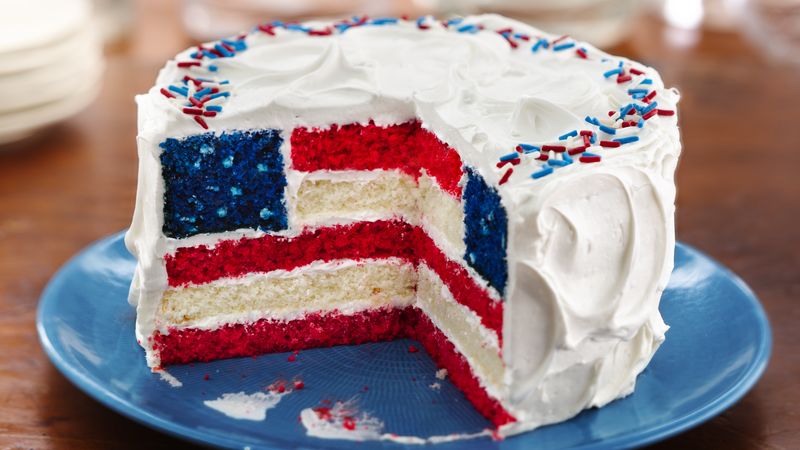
x=246 y=406
x=590 y=246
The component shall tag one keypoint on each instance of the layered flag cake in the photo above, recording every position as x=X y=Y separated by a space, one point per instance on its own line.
x=501 y=195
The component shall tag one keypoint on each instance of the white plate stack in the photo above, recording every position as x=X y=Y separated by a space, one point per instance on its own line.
x=50 y=63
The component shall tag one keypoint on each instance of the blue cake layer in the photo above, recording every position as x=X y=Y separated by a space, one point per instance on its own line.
x=215 y=183
x=486 y=227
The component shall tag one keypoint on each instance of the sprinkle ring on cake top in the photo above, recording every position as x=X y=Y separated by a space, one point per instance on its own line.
x=500 y=194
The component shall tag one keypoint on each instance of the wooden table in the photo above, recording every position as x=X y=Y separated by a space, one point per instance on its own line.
x=739 y=197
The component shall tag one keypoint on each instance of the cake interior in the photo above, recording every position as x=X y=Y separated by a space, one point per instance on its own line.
x=391 y=236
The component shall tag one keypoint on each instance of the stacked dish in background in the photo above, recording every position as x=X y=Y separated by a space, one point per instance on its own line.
x=50 y=63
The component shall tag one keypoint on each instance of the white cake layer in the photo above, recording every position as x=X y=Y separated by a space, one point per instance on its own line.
x=464 y=329
x=346 y=286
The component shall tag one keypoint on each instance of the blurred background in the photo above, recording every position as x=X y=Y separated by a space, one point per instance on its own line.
x=69 y=70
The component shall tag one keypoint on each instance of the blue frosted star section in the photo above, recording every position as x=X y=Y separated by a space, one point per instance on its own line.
x=215 y=183
x=486 y=227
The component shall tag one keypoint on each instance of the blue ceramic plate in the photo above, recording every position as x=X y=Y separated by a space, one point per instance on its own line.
x=716 y=350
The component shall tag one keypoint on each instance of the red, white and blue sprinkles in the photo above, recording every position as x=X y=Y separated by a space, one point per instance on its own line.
x=201 y=93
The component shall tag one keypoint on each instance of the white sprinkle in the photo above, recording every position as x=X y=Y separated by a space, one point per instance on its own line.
x=441 y=374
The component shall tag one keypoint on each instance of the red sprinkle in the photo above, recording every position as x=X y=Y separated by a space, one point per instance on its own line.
x=610 y=144
x=582 y=53
x=513 y=162
x=505 y=30
x=166 y=93
x=650 y=114
x=195 y=102
x=210 y=113
x=623 y=78
x=193 y=111
x=206 y=377
x=298 y=385
x=576 y=150
x=636 y=71
x=281 y=388
x=200 y=121
x=543 y=157
x=559 y=39
x=649 y=97
x=586 y=133
x=587 y=141
x=227 y=47
x=323 y=412
x=349 y=423
x=325 y=32
x=412 y=349
x=506 y=176
x=267 y=29
x=188 y=63
x=611 y=113
x=292 y=358
x=628 y=123
x=590 y=159
x=555 y=148
x=665 y=112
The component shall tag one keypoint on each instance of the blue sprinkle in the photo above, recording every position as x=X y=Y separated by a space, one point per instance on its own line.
x=612 y=72
x=277 y=23
x=509 y=156
x=227 y=162
x=557 y=162
x=641 y=123
x=262 y=167
x=565 y=156
x=593 y=138
x=223 y=50
x=638 y=96
x=592 y=120
x=210 y=55
x=528 y=148
x=265 y=213
x=224 y=82
x=222 y=212
x=649 y=108
x=627 y=139
x=215 y=108
x=342 y=27
x=469 y=28
x=546 y=170
x=564 y=46
x=384 y=21
x=565 y=136
x=590 y=154
x=206 y=149
x=220 y=94
x=637 y=91
x=196 y=55
x=455 y=21
x=540 y=43
x=199 y=94
x=621 y=63
x=647 y=81
x=212 y=188
x=179 y=90
x=625 y=110
x=607 y=130
x=521 y=36
x=420 y=20
x=296 y=27
x=235 y=191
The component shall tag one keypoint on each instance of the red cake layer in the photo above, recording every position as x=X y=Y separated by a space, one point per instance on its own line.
x=360 y=240
x=185 y=345
x=181 y=346
x=407 y=147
